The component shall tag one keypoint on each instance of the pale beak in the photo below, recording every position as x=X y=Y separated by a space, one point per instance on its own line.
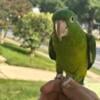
x=61 y=29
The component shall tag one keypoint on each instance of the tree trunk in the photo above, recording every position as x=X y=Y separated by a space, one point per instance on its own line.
x=2 y=36
x=5 y=34
x=90 y=27
x=32 y=52
x=99 y=31
x=90 y=19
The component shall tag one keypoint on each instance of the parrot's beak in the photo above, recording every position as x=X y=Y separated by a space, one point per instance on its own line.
x=61 y=29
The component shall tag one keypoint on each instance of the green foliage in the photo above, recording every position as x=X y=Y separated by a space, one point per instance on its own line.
x=19 y=90
x=51 y=6
x=86 y=11
x=48 y=5
x=80 y=7
x=12 y=9
x=33 y=28
x=83 y=8
x=95 y=3
x=19 y=56
x=98 y=15
x=40 y=22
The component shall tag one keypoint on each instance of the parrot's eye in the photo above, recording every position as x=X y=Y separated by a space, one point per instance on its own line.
x=72 y=19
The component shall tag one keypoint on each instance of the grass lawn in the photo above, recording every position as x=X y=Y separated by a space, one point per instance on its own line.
x=28 y=90
x=97 y=71
x=19 y=56
x=94 y=86
x=98 y=41
x=19 y=90
x=16 y=55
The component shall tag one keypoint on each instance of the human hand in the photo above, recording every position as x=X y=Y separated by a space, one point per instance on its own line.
x=66 y=89
x=75 y=91
x=52 y=91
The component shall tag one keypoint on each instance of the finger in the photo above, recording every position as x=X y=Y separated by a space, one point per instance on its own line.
x=51 y=86
x=75 y=91
x=51 y=96
x=91 y=94
x=43 y=97
x=63 y=97
x=69 y=88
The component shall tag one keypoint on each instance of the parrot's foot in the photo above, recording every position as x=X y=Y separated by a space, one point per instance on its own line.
x=69 y=76
x=59 y=76
x=67 y=80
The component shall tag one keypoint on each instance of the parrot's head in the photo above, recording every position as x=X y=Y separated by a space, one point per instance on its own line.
x=64 y=23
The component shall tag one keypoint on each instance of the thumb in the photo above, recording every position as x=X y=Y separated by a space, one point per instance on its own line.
x=51 y=86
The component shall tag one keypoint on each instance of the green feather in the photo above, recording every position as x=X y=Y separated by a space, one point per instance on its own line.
x=52 y=53
x=91 y=50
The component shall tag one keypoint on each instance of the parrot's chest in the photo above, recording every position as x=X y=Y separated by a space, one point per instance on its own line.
x=69 y=47
x=71 y=53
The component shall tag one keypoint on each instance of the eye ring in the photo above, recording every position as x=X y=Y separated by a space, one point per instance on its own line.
x=72 y=19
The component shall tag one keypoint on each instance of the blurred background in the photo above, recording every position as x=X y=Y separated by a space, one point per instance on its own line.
x=25 y=29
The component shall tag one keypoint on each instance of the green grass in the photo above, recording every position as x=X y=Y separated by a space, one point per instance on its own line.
x=28 y=90
x=19 y=56
x=98 y=42
x=94 y=86
x=97 y=71
x=19 y=90
x=16 y=55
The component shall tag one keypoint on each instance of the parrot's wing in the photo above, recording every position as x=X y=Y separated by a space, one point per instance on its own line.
x=52 y=53
x=91 y=50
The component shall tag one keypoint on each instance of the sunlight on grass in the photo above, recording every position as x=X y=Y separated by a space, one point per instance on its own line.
x=94 y=87
x=19 y=56
x=28 y=90
x=19 y=90
x=25 y=90
x=97 y=71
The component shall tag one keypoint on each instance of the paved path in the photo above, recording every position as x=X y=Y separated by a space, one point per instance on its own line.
x=23 y=73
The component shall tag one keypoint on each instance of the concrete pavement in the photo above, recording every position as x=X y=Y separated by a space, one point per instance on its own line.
x=24 y=73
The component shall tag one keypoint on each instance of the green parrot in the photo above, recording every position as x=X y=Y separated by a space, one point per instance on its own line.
x=73 y=50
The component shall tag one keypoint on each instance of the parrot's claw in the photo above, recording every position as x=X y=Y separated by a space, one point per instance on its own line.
x=59 y=76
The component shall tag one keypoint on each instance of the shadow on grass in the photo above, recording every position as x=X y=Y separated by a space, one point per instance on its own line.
x=15 y=48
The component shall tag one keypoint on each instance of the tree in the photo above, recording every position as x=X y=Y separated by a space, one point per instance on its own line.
x=33 y=29
x=51 y=6
x=97 y=17
x=11 y=11
x=95 y=3
x=92 y=14
x=86 y=11
x=48 y=5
